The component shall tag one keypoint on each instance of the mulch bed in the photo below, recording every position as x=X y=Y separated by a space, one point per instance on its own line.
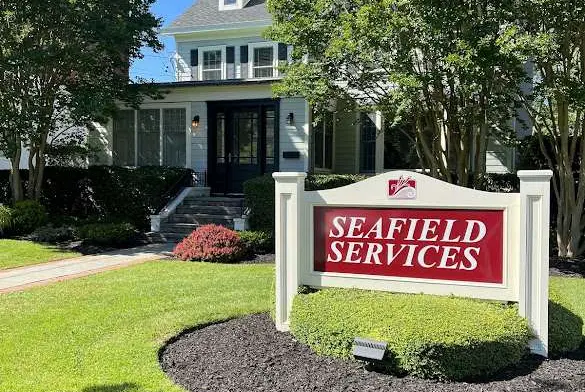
x=248 y=354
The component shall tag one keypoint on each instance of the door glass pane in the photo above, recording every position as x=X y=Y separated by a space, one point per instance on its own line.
x=245 y=141
x=270 y=132
x=175 y=137
x=367 y=144
x=149 y=137
x=124 y=142
x=220 y=143
x=328 y=140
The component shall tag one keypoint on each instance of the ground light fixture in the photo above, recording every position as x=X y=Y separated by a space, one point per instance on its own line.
x=368 y=350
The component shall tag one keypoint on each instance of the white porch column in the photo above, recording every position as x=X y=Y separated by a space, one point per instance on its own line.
x=534 y=254
x=289 y=193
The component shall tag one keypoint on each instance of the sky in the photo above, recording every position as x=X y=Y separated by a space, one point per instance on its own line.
x=158 y=66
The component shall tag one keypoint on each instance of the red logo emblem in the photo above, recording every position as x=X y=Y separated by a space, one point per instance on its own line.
x=404 y=188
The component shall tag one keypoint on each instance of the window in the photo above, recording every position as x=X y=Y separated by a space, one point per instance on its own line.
x=123 y=138
x=212 y=65
x=263 y=66
x=230 y=3
x=368 y=133
x=174 y=137
x=323 y=142
x=160 y=135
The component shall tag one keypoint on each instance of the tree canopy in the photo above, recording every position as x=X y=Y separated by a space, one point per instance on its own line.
x=64 y=63
x=441 y=66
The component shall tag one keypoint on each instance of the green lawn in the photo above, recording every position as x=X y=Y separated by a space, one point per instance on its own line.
x=21 y=253
x=102 y=333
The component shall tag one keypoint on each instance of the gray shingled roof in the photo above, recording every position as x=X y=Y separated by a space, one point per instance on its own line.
x=207 y=13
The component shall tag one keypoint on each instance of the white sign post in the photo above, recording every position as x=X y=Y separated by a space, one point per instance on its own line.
x=407 y=232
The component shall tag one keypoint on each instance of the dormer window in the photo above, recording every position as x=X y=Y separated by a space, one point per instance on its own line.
x=225 y=5
x=212 y=63
x=263 y=62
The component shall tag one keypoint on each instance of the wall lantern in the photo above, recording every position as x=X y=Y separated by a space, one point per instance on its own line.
x=195 y=122
x=290 y=119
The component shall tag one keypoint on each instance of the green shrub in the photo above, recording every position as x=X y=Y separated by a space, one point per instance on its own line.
x=427 y=336
x=566 y=314
x=5 y=220
x=27 y=216
x=259 y=194
x=53 y=235
x=259 y=198
x=106 y=193
x=257 y=242
x=320 y=182
x=107 y=234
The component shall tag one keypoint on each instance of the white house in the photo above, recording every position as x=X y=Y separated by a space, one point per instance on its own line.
x=220 y=116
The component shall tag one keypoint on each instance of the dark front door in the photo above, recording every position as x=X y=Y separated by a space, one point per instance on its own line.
x=244 y=140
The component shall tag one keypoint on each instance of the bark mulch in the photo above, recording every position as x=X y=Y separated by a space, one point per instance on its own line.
x=248 y=354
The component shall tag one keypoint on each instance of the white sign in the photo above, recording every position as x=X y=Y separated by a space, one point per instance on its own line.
x=407 y=232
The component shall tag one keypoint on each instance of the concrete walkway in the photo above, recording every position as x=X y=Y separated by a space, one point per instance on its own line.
x=24 y=277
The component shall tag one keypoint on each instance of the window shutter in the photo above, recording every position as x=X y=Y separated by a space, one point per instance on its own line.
x=230 y=55
x=244 y=54
x=282 y=52
x=194 y=58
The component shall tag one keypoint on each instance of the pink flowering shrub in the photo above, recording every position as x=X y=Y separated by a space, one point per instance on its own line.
x=211 y=243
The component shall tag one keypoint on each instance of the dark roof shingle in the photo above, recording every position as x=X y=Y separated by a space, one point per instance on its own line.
x=207 y=13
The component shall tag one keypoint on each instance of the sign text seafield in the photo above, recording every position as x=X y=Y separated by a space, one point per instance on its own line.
x=458 y=245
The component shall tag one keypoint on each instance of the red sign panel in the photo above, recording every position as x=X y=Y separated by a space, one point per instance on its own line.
x=457 y=245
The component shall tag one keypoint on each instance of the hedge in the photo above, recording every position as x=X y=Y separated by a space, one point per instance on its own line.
x=566 y=314
x=443 y=338
x=259 y=192
x=106 y=193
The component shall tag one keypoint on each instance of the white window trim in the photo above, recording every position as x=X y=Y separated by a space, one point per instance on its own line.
x=204 y=49
x=161 y=107
x=259 y=45
x=223 y=7
x=323 y=169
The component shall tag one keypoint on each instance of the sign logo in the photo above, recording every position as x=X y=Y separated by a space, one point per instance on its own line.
x=403 y=189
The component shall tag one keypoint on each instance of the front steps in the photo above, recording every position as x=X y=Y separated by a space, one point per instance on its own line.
x=196 y=211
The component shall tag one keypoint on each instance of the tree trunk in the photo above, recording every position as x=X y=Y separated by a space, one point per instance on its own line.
x=37 y=164
x=15 y=178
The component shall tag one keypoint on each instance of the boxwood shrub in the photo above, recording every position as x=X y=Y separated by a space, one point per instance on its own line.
x=107 y=234
x=27 y=216
x=566 y=314
x=428 y=336
x=257 y=242
x=5 y=220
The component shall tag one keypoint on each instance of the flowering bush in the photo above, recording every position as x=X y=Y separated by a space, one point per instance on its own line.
x=211 y=243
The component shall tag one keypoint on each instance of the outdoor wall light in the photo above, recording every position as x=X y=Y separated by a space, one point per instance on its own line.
x=195 y=122
x=368 y=350
x=290 y=119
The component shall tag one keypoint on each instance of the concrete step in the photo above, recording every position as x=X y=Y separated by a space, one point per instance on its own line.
x=213 y=201
x=209 y=210
x=202 y=219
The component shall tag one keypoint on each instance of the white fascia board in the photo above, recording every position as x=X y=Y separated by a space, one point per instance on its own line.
x=261 y=24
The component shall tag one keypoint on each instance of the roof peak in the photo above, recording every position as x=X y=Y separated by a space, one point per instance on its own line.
x=207 y=13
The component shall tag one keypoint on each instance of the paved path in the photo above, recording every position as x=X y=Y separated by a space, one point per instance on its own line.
x=24 y=277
